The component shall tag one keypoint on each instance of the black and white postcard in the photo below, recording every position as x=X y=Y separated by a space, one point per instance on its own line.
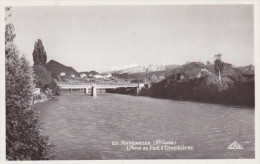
x=120 y=82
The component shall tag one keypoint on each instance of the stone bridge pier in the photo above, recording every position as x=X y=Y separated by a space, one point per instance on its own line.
x=137 y=90
x=86 y=90
x=94 y=90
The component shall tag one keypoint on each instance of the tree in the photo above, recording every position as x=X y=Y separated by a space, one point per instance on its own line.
x=218 y=65
x=9 y=33
x=24 y=139
x=208 y=62
x=39 y=53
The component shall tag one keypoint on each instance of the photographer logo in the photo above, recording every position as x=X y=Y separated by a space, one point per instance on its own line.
x=235 y=145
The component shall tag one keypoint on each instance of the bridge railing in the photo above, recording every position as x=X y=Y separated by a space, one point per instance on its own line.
x=99 y=84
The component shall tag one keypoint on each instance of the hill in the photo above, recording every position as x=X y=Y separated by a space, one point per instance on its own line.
x=190 y=69
x=193 y=68
x=147 y=69
x=141 y=72
x=90 y=72
x=56 y=67
x=250 y=69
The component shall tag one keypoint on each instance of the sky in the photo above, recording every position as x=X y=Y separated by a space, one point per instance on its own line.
x=103 y=38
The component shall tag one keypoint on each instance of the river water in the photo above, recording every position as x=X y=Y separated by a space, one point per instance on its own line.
x=83 y=127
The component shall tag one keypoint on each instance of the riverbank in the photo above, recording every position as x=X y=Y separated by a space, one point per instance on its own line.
x=42 y=96
x=204 y=89
x=244 y=96
x=145 y=93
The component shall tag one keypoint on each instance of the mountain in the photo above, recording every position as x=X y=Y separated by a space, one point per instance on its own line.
x=137 y=69
x=193 y=68
x=230 y=70
x=90 y=72
x=56 y=67
x=250 y=69
x=155 y=68
x=146 y=69
x=190 y=68
x=140 y=72
x=121 y=67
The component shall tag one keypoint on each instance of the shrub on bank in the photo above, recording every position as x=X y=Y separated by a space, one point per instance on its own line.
x=205 y=89
x=144 y=92
x=45 y=80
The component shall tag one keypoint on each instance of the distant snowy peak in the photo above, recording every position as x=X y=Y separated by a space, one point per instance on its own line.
x=137 y=69
x=149 y=68
x=123 y=67
x=154 y=68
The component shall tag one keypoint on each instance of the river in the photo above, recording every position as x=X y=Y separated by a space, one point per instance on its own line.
x=83 y=127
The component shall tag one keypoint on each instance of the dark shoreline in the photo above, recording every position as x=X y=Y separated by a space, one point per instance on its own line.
x=131 y=93
x=205 y=102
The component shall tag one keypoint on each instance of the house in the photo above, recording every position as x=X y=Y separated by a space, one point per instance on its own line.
x=62 y=74
x=141 y=85
x=98 y=76
x=82 y=75
x=72 y=75
x=107 y=76
x=102 y=76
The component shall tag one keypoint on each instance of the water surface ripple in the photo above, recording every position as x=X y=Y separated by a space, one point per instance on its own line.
x=83 y=127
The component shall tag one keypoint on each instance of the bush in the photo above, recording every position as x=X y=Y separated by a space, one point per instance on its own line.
x=206 y=89
x=144 y=92
x=24 y=138
x=45 y=80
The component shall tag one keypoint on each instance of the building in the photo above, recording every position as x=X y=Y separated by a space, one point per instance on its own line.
x=62 y=74
x=72 y=75
x=98 y=76
x=82 y=75
x=107 y=76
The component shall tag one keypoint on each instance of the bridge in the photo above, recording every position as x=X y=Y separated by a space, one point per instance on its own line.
x=93 y=87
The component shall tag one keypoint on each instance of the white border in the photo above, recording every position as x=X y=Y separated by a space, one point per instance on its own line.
x=256 y=4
